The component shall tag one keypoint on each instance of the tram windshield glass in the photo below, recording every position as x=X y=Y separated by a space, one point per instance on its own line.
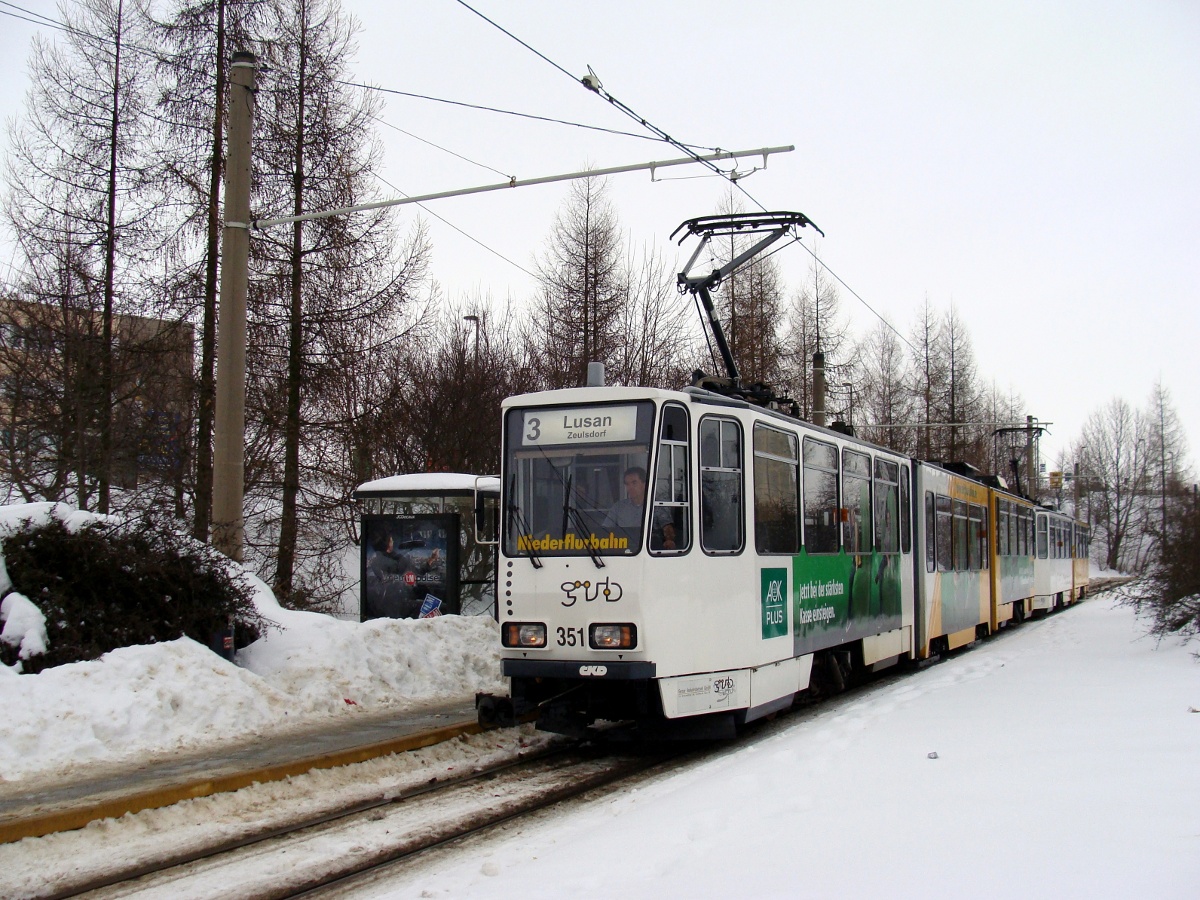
x=575 y=481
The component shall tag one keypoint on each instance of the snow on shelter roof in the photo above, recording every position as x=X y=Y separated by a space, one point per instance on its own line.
x=427 y=483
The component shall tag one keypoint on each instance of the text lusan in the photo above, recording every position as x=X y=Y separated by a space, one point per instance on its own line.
x=574 y=422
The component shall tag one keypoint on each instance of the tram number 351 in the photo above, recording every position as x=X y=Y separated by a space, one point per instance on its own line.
x=570 y=637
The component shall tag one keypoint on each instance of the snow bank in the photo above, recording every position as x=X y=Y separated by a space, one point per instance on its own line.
x=140 y=701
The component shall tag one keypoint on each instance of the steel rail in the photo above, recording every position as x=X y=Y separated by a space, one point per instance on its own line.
x=222 y=847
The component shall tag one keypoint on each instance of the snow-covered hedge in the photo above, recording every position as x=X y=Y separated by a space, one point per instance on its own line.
x=84 y=585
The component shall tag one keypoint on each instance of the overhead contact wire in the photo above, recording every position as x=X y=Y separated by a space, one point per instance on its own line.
x=465 y=234
x=509 y=112
x=599 y=90
x=443 y=149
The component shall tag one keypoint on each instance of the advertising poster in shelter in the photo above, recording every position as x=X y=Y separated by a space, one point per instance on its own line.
x=408 y=563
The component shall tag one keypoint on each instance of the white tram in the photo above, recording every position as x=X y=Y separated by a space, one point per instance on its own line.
x=674 y=554
x=693 y=559
x=1061 y=548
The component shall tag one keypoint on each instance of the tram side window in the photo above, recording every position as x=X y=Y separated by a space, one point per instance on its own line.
x=961 y=553
x=972 y=541
x=1002 y=528
x=984 y=537
x=977 y=538
x=1041 y=537
x=720 y=485
x=887 y=506
x=670 y=530
x=1027 y=533
x=820 y=497
x=776 y=484
x=905 y=512
x=930 y=533
x=945 y=530
x=856 y=494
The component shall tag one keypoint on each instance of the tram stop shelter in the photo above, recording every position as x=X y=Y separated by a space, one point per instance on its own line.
x=427 y=545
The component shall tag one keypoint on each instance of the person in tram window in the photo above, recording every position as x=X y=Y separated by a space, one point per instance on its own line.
x=626 y=513
x=664 y=536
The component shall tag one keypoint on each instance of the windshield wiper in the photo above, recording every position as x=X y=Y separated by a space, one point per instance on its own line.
x=516 y=517
x=574 y=515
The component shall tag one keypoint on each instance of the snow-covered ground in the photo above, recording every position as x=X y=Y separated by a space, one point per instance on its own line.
x=1060 y=760
x=1057 y=760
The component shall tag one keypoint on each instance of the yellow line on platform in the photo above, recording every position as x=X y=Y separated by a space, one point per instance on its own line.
x=70 y=819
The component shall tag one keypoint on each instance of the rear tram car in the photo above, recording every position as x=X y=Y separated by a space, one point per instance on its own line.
x=1061 y=568
x=691 y=560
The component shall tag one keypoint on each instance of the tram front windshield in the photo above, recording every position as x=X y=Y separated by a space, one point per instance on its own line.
x=575 y=480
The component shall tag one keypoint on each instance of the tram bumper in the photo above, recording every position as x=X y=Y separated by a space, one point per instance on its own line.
x=568 y=696
x=618 y=670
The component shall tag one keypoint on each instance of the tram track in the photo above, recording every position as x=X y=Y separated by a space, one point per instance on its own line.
x=292 y=860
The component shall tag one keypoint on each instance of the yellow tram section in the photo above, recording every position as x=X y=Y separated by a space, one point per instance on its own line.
x=974 y=588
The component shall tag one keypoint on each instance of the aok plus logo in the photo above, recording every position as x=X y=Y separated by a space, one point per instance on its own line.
x=774 y=598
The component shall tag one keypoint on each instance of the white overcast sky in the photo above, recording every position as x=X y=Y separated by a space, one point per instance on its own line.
x=1037 y=164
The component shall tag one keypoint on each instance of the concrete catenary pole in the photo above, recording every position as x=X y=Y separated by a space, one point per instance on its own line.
x=229 y=424
x=818 y=411
x=1031 y=464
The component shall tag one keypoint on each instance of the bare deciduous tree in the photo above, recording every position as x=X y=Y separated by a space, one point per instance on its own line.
x=883 y=391
x=658 y=329
x=815 y=322
x=1115 y=459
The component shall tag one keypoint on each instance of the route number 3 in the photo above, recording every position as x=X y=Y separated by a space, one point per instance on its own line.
x=535 y=432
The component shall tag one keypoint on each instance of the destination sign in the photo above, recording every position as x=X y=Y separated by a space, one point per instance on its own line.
x=579 y=425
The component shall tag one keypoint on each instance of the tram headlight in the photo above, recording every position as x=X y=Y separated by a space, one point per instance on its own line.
x=523 y=634
x=621 y=636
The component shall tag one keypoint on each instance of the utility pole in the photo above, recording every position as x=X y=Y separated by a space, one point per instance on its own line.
x=818 y=411
x=1030 y=462
x=229 y=425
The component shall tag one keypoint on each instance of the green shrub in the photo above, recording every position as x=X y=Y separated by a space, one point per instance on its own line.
x=106 y=586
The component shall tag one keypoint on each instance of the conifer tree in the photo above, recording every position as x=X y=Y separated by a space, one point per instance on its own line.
x=584 y=288
x=327 y=295
x=196 y=39
x=82 y=208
